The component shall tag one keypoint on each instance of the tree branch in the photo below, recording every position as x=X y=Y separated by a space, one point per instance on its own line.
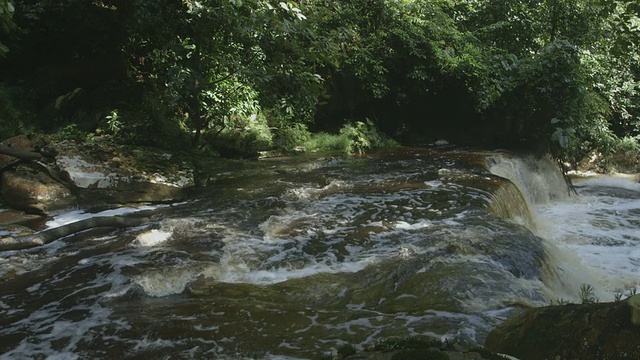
x=49 y=235
x=20 y=154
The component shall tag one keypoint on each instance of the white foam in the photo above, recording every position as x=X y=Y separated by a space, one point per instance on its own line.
x=152 y=237
x=234 y=272
x=596 y=237
x=403 y=225
x=166 y=282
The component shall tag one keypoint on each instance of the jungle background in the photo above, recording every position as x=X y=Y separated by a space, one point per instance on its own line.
x=234 y=77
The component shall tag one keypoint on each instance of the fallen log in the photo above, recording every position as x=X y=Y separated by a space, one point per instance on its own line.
x=20 y=154
x=49 y=235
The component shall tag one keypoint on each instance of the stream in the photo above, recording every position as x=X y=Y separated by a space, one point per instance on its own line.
x=290 y=258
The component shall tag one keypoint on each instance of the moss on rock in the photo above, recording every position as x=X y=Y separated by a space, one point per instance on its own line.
x=586 y=331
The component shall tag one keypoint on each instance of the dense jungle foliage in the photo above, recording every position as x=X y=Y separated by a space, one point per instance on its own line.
x=238 y=76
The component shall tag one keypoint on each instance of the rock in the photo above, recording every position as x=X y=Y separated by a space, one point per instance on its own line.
x=634 y=304
x=586 y=331
x=29 y=189
x=101 y=173
x=10 y=216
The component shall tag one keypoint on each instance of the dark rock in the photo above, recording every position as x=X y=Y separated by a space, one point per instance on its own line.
x=586 y=331
x=29 y=189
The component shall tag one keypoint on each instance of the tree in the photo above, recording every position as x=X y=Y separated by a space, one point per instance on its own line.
x=6 y=21
x=202 y=57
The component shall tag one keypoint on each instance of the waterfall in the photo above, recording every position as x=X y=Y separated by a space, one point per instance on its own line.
x=541 y=186
x=539 y=179
x=507 y=202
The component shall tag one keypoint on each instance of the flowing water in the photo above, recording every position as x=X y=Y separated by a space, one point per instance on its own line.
x=293 y=257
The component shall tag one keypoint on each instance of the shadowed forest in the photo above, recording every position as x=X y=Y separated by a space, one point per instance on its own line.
x=234 y=77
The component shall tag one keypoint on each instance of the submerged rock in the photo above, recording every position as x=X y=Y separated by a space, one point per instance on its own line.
x=586 y=331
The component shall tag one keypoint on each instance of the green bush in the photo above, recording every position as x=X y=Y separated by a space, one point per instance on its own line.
x=291 y=135
x=324 y=142
x=352 y=139
x=244 y=136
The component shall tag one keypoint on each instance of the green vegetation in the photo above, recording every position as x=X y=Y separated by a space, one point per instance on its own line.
x=6 y=22
x=235 y=77
x=588 y=294
x=351 y=139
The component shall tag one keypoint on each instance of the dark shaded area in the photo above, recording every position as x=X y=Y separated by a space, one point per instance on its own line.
x=204 y=76
x=586 y=331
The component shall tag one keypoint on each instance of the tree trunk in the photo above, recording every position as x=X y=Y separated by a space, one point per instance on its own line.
x=20 y=154
x=49 y=235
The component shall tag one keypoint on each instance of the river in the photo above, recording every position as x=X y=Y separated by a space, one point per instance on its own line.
x=294 y=257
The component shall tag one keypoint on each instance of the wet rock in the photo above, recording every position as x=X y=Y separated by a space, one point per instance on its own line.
x=586 y=331
x=28 y=188
x=100 y=173
x=11 y=216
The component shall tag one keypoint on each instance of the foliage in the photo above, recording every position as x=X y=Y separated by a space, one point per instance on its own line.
x=288 y=136
x=618 y=296
x=587 y=294
x=364 y=136
x=74 y=133
x=352 y=139
x=210 y=57
x=6 y=21
x=242 y=137
x=558 y=76
x=325 y=142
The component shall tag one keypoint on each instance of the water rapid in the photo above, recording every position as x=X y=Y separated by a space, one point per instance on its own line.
x=590 y=238
x=294 y=257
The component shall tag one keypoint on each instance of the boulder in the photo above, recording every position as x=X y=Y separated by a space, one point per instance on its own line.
x=100 y=173
x=28 y=188
x=586 y=331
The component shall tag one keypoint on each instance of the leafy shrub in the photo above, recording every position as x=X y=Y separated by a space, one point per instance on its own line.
x=244 y=136
x=364 y=136
x=351 y=139
x=587 y=294
x=291 y=135
x=322 y=141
